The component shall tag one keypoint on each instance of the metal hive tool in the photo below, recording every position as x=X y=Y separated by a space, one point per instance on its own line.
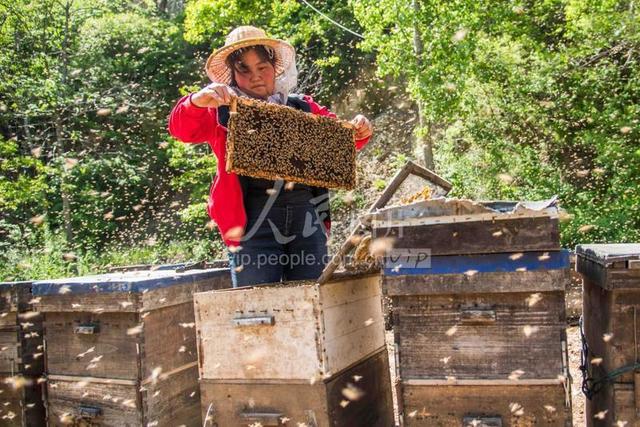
x=276 y=142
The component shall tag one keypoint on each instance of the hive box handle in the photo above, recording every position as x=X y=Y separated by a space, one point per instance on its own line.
x=470 y=421
x=264 y=418
x=86 y=329
x=89 y=411
x=254 y=321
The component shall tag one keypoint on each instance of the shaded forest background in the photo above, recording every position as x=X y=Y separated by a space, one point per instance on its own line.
x=507 y=99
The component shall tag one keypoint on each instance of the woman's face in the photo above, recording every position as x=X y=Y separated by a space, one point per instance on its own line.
x=254 y=76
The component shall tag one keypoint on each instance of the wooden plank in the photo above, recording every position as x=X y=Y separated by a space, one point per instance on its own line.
x=173 y=400
x=413 y=218
x=22 y=406
x=181 y=294
x=116 y=302
x=247 y=404
x=623 y=408
x=514 y=235
x=169 y=339
x=516 y=406
x=435 y=344
x=510 y=383
x=115 y=404
x=349 y=289
x=287 y=349
x=111 y=352
x=497 y=282
x=351 y=332
x=361 y=395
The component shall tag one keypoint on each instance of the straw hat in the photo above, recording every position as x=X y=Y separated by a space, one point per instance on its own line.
x=245 y=36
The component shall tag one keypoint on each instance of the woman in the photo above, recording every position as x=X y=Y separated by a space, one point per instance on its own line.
x=273 y=231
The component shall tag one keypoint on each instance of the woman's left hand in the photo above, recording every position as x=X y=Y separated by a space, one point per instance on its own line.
x=363 y=127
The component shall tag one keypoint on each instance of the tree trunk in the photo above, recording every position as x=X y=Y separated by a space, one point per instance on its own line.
x=66 y=202
x=425 y=141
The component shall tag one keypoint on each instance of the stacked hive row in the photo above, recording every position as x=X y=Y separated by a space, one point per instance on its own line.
x=478 y=312
x=121 y=347
x=295 y=354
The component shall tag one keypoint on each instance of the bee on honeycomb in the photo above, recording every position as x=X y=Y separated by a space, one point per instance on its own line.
x=276 y=142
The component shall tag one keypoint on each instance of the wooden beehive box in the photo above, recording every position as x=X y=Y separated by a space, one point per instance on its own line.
x=21 y=403
x=475 y=333
x=611 y=322
x=121 y=347
x=21 y=357
x=297 y=351
x=20 y=331
x=460 y=227
x=278 y=142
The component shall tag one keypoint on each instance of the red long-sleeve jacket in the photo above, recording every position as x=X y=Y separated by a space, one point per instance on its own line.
x=192 y=124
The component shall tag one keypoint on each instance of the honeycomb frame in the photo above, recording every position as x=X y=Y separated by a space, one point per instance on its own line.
x=318 y=151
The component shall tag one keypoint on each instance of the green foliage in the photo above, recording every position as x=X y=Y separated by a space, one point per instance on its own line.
x=529 y=99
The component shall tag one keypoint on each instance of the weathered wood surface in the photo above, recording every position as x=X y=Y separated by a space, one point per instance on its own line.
x=615 y=404
x=20 y=331
x=285 y=349
x=477 y=237
x=440 y=336
x=72 y=402
x=612 y=277
x=180 y=294
x=164 y=401
x=22 y=406
x=497 y=282
x=168 y=339
x=309 y=330
x=115 y=302
x=323 y=403
x=512 y=406
x=173 y=401
x=110 y=352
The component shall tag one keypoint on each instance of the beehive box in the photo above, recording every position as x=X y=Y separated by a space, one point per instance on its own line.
x=121 y=347
x=277 y=142
x=460 y=227
x=297 y=351
x=21 y=403
x=21 y=357
x=20 y=331
x=475 y=333
x=611 y=308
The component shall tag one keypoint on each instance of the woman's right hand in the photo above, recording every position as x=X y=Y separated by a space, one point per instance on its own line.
x=213 y=95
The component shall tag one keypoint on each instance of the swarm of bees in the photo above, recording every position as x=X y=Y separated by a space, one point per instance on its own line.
x=275 y=142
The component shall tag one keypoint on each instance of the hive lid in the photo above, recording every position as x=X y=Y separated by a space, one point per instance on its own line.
x=606 y=254
x=131 y=281
x=442 y=210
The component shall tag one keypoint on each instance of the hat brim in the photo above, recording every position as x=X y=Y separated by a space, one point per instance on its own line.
x=218 y=71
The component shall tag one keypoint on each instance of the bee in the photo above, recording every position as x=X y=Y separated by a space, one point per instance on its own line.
x=276 y=142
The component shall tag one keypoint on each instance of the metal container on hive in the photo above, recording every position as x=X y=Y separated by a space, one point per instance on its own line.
x=611 y=312
x=479 y=325
x=295 y=354
x=21 y=357
x=121 y=347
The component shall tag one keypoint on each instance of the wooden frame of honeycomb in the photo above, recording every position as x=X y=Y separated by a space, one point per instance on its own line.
x=272 y=141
